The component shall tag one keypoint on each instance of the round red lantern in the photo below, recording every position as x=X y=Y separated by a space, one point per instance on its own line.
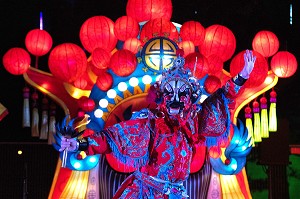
x=81 y=83
x=259 y=72
x=214 y=152
x=100 y=58
x=145 y=10
x=86 y=104
x=123 y=62
x=98 y=32
x=266 y=43
x=215 y=65
x=284 y=64
x=211 y=84
x=104 y=81
x=197 y=64
x=188 y=47
x=192 y=31
x=219 y=40
x=132 y=44
x=67 y=62
x=38 y=42
x=16 y=61
x=126 y=27
x=159 y=27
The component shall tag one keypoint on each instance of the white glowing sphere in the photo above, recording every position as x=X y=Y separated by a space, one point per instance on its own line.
x=122 y=86
x=133 y=81
x=103 y=103
x=147 y=79
x=111 y=93
x=98 y=113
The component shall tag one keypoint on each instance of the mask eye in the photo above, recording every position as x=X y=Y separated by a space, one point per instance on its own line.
x=168 y=89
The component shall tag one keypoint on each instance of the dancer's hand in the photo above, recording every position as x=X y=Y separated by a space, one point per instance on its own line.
x=249 y=64
x=69 y=144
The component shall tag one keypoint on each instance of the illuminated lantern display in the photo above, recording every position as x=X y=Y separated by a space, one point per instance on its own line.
x=123 y=62
x=259 y=72
x=132 y=44
x=159 y=27
x=284 y=64
x=38 y=42
x=16 y=61
x=98 y=32
x=215 y=65
x=80 y=83
x=100 y=58
x=211 y=84
x=197 y=64
x=266 y=43
x=67 y=62
x=104 y=81
x=126 y=27
x=145 y=10
x=86 y=104
x=219 y=40
x=192 y=31
x=188 y=47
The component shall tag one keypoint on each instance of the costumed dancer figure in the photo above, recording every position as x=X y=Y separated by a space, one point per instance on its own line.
x=160 y=143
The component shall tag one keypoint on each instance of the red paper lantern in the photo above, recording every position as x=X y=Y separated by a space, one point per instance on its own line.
x=259 y=72
x=159 y=27
x=100 y=58
x=132 y=44
x=123 y=62
x=266 y=43
x=104 y=81
x=211 y=84
x=196 y=63
x=126 y=27
x=145 y=10
x=80 y=83
x=188 y=47
x=38 y=42
x=192 y=31
x=219 y=40
x=16 y=61
x=67 y=62
x=86 y=104
x=98 y=32
x=284 y=64
x=215 y=65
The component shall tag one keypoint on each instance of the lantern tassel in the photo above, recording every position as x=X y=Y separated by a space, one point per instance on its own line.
x=26 y=108
x=264 y=128
x=35 y=116
x=272 y=114
x=44 y=124
x=256 y=130
x=249 y=125
x=52 y=121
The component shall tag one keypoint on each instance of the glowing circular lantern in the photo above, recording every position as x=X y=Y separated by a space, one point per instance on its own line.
x=284 y=64
x=98 y=32
x=100 y=58
x=105 y=81
x=123 y=62
x=145 y=10
x=126 y=27
x=192 y=31
x=81 y=83
x=188 y=47
x=266 y=43
x=132 y=44
x=67 y=62
x=219 y=40
x=259 y=72
x=215 y=65
x=211 y=84
x=159 y=27
x=38 y=42
x=197 y=64
x=86 y=104
x=16 y=61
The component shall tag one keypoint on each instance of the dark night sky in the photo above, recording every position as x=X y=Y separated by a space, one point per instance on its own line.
x=63 y=19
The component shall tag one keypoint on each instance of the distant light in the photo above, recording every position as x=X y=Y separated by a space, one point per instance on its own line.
x=98 y=113
x=41 y=21
x=147 y=79
x=291 y=14
x=103 y=103
x=20 y=152
x=133 y=81
x=111 y=93
x=122 y=86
